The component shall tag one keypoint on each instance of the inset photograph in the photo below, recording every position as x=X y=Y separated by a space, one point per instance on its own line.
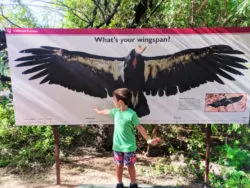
x=225 y=102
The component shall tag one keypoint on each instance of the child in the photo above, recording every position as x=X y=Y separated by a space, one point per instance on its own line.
x=124 y=141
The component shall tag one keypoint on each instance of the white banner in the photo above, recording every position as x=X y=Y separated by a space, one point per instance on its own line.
x=176 y=75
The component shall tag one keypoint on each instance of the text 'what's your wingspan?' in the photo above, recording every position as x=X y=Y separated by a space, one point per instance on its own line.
x=148 y=40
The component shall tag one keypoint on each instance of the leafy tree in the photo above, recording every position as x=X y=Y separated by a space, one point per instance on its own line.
x=16 y=14
x=120 y=14
x=125 y=14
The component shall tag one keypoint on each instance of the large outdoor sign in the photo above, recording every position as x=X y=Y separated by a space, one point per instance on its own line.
x=189 y=76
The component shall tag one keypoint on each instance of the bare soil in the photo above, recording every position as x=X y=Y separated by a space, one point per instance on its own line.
x=87 y=166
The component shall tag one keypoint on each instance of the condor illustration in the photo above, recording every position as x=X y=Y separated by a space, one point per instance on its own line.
x=164 y=75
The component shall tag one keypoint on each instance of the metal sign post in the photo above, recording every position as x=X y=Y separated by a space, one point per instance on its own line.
x=57 y=160
x=208 y=136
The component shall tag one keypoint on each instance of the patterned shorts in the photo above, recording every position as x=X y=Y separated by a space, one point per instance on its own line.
x=126 y=158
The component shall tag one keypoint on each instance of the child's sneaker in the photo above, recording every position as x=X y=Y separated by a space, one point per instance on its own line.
x=133 y=185
x=119 y=185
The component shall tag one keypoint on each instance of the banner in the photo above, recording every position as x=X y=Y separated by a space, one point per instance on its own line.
x=176 y=76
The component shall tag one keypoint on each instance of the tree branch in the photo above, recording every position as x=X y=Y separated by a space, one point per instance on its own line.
x=140 y=10
x=102 y=13
x=91 y=22
x=199 y=9
x=227 y=20
x=106 y=5
x=153 y=11
x=73 y=11
x=75 y=14
x=7 y=19
x=111 y=15
x=192 y=14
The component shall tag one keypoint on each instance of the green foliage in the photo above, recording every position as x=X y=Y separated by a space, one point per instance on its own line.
x=196 y=147
x=31 y=147
x=237 y=178
x=236 y=157
x=230 y=178
x=4 y=70
x=237 y=135
x=196 y=139
x=127 y=14
x=71 y=137
x=23 y=147
x=17 y=14
x=236 y=162
x=3 y=63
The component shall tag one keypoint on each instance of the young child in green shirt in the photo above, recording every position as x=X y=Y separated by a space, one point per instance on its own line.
x=124 y=141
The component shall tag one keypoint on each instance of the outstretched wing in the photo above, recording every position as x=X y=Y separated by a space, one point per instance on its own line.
x=79 y=71
x=190 y=68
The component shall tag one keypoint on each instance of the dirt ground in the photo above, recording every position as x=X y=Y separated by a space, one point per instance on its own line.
x=91 y=167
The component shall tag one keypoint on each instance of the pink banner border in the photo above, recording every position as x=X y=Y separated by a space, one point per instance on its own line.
x=146 y=31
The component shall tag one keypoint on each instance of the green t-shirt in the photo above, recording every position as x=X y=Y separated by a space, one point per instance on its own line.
x=124 y=132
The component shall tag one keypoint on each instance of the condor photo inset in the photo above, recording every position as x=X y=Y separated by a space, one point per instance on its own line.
x=225 y=102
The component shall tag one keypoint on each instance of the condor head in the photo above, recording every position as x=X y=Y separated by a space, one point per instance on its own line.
x=134 y=57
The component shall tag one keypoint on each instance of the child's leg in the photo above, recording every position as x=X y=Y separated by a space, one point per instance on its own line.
x=129 y=160
x=119 y=160
x=132 y=174
x=119 y=172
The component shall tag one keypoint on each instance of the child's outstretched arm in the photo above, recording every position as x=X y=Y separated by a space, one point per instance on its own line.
x=103 y=111
x=143 y=132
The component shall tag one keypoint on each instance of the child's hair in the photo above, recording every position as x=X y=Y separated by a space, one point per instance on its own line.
x=123 y=94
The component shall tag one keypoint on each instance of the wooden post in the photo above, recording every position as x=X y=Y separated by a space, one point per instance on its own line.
x=56 y=154
x=208 y=136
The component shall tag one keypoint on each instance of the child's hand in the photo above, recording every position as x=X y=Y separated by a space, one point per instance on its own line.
x=103 y=111
x=154 y=141
x=97 y=110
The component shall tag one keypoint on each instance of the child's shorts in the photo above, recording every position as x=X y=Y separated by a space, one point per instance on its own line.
x=126 y=158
